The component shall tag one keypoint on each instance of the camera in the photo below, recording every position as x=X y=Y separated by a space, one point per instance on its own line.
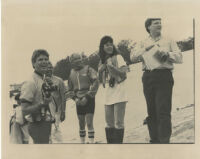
x=112 y=82
x=48 y=88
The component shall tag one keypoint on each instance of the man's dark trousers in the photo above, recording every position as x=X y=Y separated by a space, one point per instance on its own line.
x=157 y=87
x=40 y=131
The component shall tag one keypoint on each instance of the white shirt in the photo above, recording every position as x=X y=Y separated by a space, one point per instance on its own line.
x=162 y=43
x=116 y=94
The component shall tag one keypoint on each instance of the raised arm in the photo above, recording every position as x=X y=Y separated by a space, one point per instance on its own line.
x=175 y=54
x=138 y=51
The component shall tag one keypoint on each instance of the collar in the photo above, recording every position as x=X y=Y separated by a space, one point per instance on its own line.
x=155 y=39
x=38 y=73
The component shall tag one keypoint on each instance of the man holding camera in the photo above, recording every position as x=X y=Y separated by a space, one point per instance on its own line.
x=157 y=54
x=34 y=102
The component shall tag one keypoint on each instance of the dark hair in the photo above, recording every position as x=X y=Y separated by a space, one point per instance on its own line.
x=37 y=53
x=102 y=53
x=148 y=23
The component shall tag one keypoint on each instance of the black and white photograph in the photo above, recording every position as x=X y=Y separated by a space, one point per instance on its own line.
x=84 y=74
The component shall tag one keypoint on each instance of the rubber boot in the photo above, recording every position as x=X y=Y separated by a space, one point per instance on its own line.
x=119 y=136
x=110 y=135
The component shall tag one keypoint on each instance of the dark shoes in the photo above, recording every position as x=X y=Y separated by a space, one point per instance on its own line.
x=114 y=136
x=156 y=136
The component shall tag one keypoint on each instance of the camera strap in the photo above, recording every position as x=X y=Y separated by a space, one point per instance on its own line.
x=54 y=102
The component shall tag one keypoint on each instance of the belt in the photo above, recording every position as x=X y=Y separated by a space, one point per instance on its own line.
x=157 y=70
x=46 y=118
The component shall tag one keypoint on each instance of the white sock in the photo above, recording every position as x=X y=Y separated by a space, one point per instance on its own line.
x=91 y=136
x=82 y=139
x=91 y=140
x=82 y=136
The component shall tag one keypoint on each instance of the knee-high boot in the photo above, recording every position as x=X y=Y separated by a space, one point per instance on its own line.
x=118 y=136
x=110 y=135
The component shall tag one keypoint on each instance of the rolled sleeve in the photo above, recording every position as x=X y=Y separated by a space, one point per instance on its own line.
x=175 y=54
x=136 y=53
x=28 y=91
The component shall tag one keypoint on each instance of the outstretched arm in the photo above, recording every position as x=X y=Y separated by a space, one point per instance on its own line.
x=138 y=51
x=175 y=54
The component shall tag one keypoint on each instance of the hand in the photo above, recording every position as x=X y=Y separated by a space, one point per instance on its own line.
x=49 y=80
x=149 y=47
x=161 y=55
x=83 y=101
x=77 y=101
x=62 y=116
x=110 y=68
x=46 y=100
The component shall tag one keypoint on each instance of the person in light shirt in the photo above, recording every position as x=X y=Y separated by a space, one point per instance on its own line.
x=33 y=101
x=112 y=74
x=157 y=54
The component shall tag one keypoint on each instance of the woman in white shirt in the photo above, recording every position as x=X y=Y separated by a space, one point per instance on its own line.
x=112 y=74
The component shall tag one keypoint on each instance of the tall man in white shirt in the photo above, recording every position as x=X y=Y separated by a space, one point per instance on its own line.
x=157 y=54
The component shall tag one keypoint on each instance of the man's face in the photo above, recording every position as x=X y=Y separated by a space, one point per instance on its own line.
x=41 y=64
x=155 y=26
x=77 y=64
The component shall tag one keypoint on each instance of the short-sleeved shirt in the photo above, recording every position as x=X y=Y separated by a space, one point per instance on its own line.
x=31 y=92
x=116 y=94
x=58 y=96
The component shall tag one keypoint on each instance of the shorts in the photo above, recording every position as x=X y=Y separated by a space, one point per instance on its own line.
x=89 y=107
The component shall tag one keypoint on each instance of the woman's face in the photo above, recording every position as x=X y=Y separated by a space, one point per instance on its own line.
x=108 y=48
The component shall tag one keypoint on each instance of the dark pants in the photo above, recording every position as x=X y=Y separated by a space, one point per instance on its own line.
x=157 y=87
x=40 y=131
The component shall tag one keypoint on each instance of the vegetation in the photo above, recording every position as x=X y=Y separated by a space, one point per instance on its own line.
x=63 y=67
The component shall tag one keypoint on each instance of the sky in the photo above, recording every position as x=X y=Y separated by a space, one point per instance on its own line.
x=63 y=27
